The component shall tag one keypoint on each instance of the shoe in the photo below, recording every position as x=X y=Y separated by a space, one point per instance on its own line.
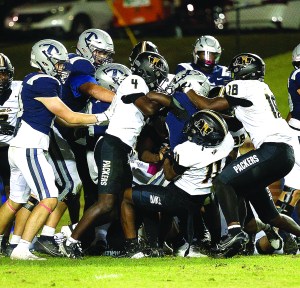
x=273 y=237
x=155 y=252
x=231 y=245
x=167 y=249
x=196 y=251
x=133 y=251
x=47 y=244
x=249 y=248
x=23 y=254
x=8 y=249
x=72 y=250
x=181 y=251
x=290 y=245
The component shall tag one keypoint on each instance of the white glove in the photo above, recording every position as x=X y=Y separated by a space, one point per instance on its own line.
x=102 y=119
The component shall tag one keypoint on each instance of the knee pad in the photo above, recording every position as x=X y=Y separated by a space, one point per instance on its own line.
x=31 y=203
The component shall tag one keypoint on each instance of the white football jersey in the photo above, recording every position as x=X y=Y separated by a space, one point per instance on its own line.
x=127 y=120
x=261 y=119
x=204 y=164
x=9 y=110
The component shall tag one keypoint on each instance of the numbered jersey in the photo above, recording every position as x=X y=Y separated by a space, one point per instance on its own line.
x=294 y=98
x=127 y=120
x=256 y=108
x=204 y=165
x=8 y=114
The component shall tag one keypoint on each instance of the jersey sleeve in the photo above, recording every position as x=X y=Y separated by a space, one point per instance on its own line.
x=77 y=80
x=45 y=86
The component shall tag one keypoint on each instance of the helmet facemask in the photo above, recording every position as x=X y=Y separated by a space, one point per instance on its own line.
x=6 y=75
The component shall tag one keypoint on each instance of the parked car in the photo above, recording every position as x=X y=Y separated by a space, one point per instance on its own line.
x=65 y=17
x=262 y=14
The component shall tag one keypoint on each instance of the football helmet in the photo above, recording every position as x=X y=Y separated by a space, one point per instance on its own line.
x=142 y=47
x=96 y=45
x=194 y=79
x=111 y=75
x=51 y=57
x=247 y=66
x=152 y=67
x=6 y=74
x=207 y=52
x=206 y=128
x=296 y=57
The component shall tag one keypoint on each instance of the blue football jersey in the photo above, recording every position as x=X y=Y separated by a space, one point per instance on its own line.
x=35 y=113
x=82 y=71
x=294 y=99
x=175 y=125
x=218 y=77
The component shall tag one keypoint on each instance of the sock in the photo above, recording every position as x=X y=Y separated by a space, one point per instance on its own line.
x=71 y=240
x=234 y=229
x=23 y=244
x=48 y=231
x=15 y=239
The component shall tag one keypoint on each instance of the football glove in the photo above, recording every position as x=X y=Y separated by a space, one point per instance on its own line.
x=6 y=129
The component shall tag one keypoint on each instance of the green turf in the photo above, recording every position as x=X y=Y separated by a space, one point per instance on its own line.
x=241 y=272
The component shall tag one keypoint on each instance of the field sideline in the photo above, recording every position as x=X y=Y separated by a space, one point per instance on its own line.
x=249 y=272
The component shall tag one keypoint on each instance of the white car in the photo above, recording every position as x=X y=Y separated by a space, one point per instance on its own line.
x=61 y=17
x=263 y=14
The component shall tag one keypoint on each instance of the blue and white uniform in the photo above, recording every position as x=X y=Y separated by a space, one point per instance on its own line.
x=28 y=152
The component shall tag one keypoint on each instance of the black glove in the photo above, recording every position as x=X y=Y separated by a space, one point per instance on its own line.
x=131 y=98
x=6 y=129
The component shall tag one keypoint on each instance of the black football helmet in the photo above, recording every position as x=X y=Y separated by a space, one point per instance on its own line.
x=6 y=75
x=140 y=47
x=247 y=66
x=206 y=128
x=152 y=67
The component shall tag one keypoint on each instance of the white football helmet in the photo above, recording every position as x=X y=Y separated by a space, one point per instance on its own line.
x=93 y=41
x=207 y=52
x=111 y=75
x=193 y=79
x=51 y=57
x=296 y=57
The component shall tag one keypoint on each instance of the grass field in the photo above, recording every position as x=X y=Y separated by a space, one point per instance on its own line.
x=255 y=271
x=238 y=272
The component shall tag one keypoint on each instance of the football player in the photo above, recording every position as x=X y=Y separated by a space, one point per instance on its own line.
x=290 y=195
x=94 y=48
x=206 y=56
x=191 y=176
x=30 y=170
x=111 y=153
x=248 y=176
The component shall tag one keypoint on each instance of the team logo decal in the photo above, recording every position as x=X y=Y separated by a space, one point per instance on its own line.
x=50 y=50
x=203 y=127
x=243 y=61
x=154 y=61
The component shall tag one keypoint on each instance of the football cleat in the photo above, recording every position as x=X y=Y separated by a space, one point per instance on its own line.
x=133 y=250
x=181 y=251
x=23 y=254
x=231 y=245
x=71 y=250
x=196 y=251
x=155 y=252
x=8 y=249
x=290 y=245
x=273 y=237
x=47 y=244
